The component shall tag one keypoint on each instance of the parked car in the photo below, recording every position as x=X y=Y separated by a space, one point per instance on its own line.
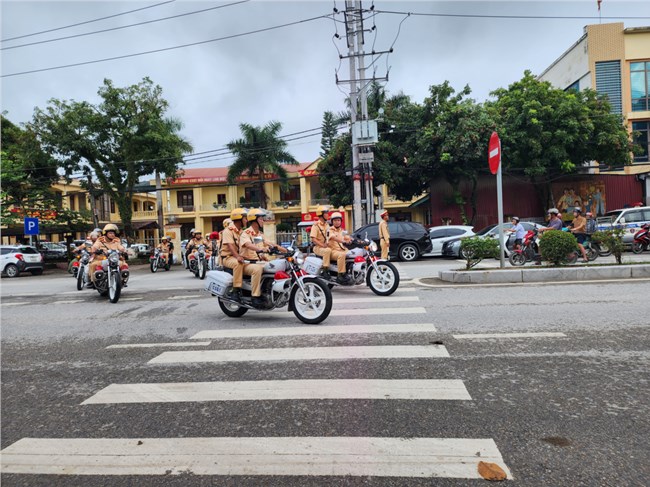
x=631 y=219
x=451 y=248
x=408 y=240
x=142 y=250
x=442 y=234
x=15 y=259
x=52 y=251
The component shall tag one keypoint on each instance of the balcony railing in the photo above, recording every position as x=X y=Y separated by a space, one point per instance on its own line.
x=182 y=209
x=321 y=201
x=287 y=204
x=216 y=207
x=144 y=215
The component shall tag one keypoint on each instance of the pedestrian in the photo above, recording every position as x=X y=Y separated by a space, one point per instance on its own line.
x=384 y=235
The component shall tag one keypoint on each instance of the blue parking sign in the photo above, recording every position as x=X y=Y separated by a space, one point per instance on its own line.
x=31 y=226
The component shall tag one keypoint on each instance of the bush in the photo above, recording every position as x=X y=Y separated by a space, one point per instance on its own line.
x=284 y=227
x=475 y=249
x=611 y=239
x=555 y=245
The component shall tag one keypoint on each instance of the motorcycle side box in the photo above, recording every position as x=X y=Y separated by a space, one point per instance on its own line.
x=312 y=265
x=217 y=282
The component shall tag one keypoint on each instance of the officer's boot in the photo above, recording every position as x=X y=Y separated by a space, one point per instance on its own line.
x=235 y=294
x=258 y=301
x=324 y=273
x=342 y=278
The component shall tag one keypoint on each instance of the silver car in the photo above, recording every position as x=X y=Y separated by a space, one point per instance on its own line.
x=440 y=235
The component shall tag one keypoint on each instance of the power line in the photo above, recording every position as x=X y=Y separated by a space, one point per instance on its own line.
x=485 y=16
x=86 y=22
x=124 y=26
x=257 y=31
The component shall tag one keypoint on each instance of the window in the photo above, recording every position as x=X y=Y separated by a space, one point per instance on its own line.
x=58 y=200
x=221 y=199
x=292 y=220
x=112 y=205
x=608 y=82
x=574 y=86
x=185 y=198
x=82 y=202
x=440 y=233
x=293 y=193
x=453 y=232
x=252 y=196
x=135 y=206
x=72 y=205
x=634 y=216
x=640 y=85
x=642 y=138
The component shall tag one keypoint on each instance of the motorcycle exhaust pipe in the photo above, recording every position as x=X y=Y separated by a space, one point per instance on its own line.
x=99 y=275
x=125 y=276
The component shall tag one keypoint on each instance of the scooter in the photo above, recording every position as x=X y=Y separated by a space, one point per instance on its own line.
x=156 y=261
x=641 y=239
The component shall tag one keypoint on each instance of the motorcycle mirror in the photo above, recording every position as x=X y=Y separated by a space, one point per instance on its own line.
x=258 y=240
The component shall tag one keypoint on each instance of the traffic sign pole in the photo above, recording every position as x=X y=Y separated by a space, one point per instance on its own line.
x=494 y=161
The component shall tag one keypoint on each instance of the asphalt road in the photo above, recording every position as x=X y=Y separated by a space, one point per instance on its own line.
x=557 y=394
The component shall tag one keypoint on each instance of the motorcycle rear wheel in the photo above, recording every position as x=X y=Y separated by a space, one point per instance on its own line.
x=604 y=251
x=592 y=254
x=231 y=309
x=375 y=282
x=517 y=259
x=637 y=247
x=80 y=279
x=314 y=305
x=114 y=286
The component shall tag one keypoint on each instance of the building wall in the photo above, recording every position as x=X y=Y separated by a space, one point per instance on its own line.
x=572 y=66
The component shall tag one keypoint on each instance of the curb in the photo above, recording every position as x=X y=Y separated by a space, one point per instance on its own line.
x=546 y=275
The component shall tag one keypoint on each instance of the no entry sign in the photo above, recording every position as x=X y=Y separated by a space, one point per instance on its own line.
x=494 y=153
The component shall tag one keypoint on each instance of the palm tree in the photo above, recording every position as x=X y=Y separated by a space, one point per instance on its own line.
x=260 y=151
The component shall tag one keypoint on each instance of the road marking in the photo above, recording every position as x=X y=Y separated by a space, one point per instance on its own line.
x=377 y=299
x=305 y=353
x=510 y=335
x=131 y=299
x=314 y=330
x=326 y=456
x=71 y=301
x=188 y=296
x=14 y=304
x=357 y=312
x=170 y=288
x=272 y=390
x=151 y=345
x=531 y=284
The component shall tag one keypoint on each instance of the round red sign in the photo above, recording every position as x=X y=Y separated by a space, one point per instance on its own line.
x=494 y=153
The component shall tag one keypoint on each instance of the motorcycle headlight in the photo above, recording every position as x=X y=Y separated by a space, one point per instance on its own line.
x=113 y=258
x=373 y=246
x=300 y=258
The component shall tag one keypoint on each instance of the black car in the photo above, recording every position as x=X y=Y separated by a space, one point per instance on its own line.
x=408 y=240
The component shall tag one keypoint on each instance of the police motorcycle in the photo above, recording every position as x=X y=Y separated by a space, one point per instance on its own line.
x=80 y=269
x=197 y=262
x=283 y=283
x=156 y=261
x=110 y=277
x=362 y=266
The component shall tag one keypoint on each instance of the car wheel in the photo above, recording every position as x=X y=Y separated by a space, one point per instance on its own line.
x=11 y=270
x=408 y=252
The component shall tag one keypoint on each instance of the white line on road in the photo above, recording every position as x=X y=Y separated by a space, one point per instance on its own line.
x=305 y=353
x=377 y=311
x=529 y=284
x=314 y=330
x=510 y=335
x=187 y=296
x=152 y=345
x=328 y=456
x=131 y=299
x=444 y=390
x=71 y=301
x=377 y=299
x=15 y=304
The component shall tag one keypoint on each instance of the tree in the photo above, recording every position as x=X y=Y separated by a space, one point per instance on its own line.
x=335 y=172
x=547 y=132
x=329 y=133
x=125 y=137
x=261 y=151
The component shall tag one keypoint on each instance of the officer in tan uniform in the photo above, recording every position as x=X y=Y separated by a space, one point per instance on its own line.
x=318 y=236
x=104 y=244
x=384 y=235
x=164 y=248
x=193 y=244
x=226 y=223
x=336 y=242
x=230 y=251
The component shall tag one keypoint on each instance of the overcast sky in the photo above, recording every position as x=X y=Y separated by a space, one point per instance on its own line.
x=287 y=74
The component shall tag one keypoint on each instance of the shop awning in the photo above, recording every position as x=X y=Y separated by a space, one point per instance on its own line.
x=145 y=225
x=422 y=201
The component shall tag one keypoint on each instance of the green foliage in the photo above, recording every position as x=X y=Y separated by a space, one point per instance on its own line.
x=121 y=139
x=332 y=169
x=613 y=240
x=283 y=227
x=475 y=249
x=260 y=151
x=329 y=133
x=555 y=245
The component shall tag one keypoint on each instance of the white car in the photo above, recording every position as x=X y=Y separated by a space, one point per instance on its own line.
x=15 y=259
x=442 y=234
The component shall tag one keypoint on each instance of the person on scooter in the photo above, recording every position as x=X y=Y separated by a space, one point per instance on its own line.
x=318 y=235
x=336 y=242
x=384 y=235
x=193 y=245
x=519 y=231
x=579 y=227
x=88 y=244
x=230 y=251
x=226 y=223
x=188 y=251
x=165 y=248
x=110 y=240
x=554 y=222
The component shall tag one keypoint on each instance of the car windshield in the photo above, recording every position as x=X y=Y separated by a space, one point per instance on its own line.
x=486 y=229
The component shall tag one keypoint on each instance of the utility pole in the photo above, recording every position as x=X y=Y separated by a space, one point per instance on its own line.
x=159 y=205
x=92 y=201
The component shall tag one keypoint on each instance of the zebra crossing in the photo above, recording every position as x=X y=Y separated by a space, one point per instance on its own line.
x=282 y=455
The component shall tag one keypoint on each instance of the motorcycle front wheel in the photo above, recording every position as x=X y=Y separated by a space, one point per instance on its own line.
x=312 y=305
x=201 y=269
x=231 y=309
x=592 y=253
x=154 y=265
x=80 y=279
x=386 y=281
x=114 y=286
x=604 y=250
x=517 y=259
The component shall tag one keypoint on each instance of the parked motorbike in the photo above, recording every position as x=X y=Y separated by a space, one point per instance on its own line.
x=197 y=262
x=362 y=266
x=528 y=250
x=156 y=261
x=641 y=239
x=284 y=283
x=110 y=277
x=80 y=269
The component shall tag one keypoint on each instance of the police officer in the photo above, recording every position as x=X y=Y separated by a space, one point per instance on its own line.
x=230 y=251
x=226 y=223
x=250 y=251
x=384 y=235
x=187 y=250
x=336 y=242
x=109 y=240
x=165 y=248
x=198 y=239
x=318 y=236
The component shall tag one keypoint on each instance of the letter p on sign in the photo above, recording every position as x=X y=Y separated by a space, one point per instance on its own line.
x=31 y=226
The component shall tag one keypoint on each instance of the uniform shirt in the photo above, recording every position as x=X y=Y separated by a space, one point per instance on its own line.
x=579 y=224
x=337 y=233
x=247 y=236
x=319 y=232
x=230 y=236
x=384 y=234
x=164 y=247
x=106 y=245
x=195 y=242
